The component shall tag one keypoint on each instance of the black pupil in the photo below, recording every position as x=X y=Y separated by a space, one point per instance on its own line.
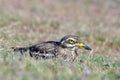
x=71 y=41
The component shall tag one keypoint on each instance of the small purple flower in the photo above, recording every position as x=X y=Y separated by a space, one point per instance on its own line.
x=20 y=73
x=87 y=72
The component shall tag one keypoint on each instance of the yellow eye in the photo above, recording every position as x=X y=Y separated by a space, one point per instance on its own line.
x=71 y=41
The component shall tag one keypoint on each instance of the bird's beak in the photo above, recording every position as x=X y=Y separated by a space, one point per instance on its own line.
x=82 y=45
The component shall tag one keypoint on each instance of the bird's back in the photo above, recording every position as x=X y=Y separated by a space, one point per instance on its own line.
x=45 y=47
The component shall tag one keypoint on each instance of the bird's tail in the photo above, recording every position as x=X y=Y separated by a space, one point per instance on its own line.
x=22 y=50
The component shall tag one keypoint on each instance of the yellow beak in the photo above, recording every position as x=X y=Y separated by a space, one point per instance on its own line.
x=82 y=45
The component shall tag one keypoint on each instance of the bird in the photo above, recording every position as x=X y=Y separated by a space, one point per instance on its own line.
x=67 y=46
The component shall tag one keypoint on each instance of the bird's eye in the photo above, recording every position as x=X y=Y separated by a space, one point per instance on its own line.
x=71 y=41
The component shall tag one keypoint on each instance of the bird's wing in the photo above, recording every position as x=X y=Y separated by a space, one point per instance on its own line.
x=45 y=48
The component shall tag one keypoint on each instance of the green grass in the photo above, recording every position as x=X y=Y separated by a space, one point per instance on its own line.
x=16 y=66
x=116 y=41
x=23 y=23
x=7 y=19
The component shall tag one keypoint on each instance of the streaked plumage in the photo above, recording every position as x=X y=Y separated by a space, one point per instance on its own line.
x=67 y=46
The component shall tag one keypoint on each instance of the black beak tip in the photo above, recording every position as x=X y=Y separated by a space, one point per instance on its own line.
x=87 y=48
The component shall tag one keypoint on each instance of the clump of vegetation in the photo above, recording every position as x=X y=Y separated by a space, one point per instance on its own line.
x=116 y=41
x=24 y=67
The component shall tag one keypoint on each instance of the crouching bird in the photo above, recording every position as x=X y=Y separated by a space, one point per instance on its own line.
x=67 y=46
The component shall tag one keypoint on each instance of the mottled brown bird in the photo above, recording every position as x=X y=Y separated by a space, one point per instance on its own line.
x=67 y=46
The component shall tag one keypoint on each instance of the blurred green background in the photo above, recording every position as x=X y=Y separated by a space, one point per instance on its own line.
x=26 y=22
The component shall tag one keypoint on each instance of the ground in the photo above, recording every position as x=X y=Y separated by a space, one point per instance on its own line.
x=26 y=22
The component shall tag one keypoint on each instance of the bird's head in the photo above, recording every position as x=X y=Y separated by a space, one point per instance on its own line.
x=71 y=41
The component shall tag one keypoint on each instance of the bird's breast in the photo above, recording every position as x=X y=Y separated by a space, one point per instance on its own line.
x=65 y=52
